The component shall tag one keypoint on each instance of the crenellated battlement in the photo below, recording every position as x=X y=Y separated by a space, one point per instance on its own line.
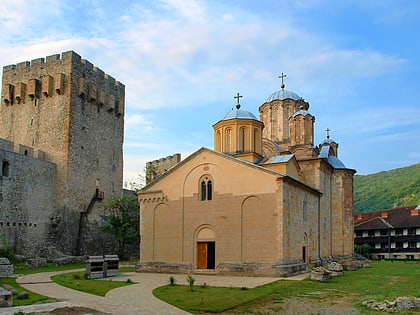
x=11 y=146
x=57 y=75
x=65 y=57
x=158 y=167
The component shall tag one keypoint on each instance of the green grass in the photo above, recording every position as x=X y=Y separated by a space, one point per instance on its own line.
x=33 y=297
x=83 y=286
x=77 y=281
x=21 y=269
x=385 y=280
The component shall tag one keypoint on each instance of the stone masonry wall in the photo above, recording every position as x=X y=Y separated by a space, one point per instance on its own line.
x=158 y=167
x=69 y=112
x=27 y=199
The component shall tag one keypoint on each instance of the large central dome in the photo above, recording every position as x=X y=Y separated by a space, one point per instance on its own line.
x=283 y=95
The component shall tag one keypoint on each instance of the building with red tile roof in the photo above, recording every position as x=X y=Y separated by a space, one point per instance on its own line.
x=391 y=234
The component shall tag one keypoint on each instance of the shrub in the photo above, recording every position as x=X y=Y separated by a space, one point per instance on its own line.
x=191 y=281
x=6 y=251
x=172 y=281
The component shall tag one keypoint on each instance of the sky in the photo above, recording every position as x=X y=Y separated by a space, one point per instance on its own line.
x=357 y=63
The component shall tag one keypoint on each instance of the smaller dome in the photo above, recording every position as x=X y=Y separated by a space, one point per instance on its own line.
x=283 y=95
x=301 y=112
x=238 y=114
x=328 y=141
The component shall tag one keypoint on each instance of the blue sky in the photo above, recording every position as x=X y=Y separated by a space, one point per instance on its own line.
x=356 y=62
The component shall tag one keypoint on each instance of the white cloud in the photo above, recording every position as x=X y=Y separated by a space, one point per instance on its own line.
x=192 y=10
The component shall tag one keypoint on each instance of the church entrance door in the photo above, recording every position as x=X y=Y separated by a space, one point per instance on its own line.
x=206 y=255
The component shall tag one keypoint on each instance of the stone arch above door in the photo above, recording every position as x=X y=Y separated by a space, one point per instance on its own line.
x=205 y=248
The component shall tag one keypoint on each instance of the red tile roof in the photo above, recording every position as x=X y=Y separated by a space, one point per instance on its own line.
x=404 y=217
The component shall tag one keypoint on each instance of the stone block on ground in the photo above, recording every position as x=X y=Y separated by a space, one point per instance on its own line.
x=335 y=268
x=6 y=268
x=10 y=288
x=23 y=295
x=320 y=274
x=6 y=298
x=349 y=265
x=36 y=262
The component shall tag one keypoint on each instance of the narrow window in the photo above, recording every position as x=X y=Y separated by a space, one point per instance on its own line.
x=5 y=168
x=228 y=141
x=206 y=189
x=243 y=140
x=209 y=190
x=254 y=141
x=203 y=190
x=305 y=210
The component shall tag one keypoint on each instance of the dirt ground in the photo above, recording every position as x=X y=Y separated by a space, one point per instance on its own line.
x=73 y=311
x=291 y=306
x=295 y=306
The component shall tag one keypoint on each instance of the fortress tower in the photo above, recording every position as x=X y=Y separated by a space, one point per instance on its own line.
x=64 y=110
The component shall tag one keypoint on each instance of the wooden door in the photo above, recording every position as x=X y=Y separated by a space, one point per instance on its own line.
x=202 y=255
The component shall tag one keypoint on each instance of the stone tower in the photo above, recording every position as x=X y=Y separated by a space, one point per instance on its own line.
x=73 y=113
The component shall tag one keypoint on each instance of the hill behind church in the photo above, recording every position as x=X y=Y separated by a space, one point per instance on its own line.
x=389 y=189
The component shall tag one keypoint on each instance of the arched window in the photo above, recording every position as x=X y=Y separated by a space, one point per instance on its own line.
x=5 y=168
x=286 y=127
x=254 y=141
x=228 y=140
x=242 y=139
x=305 y=210
x=209 y=190
x=218 y=141
x=206 y=188
x=203 y=190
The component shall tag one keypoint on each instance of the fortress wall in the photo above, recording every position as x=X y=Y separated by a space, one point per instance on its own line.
x=27 y=201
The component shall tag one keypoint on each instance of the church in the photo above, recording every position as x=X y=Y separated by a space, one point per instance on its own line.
x=265 y=201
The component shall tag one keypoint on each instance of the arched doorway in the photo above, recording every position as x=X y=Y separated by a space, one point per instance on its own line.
x=304 y=252
x=206 y=249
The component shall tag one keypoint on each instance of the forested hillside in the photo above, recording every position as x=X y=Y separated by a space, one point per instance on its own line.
x=384 y=190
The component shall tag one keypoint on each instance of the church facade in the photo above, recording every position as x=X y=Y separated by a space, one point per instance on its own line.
x=266 y=201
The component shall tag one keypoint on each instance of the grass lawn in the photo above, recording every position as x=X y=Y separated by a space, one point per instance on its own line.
x=33 y=297
x=77 y=281
x=70 y=280
x=384 y=280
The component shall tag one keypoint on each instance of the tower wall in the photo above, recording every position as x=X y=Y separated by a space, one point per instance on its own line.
x=158 y=167
x=27 y=199
x=74 y=112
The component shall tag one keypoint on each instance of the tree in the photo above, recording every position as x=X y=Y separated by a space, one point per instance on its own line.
x=363 y=250
x=122 y=217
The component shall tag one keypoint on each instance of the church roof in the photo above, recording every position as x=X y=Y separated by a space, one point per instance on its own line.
x=238 y=114
x=328 y=141
x=332 y=160
x=275 y=159
x=336 y=162
x=301 y=112
x=283 y=95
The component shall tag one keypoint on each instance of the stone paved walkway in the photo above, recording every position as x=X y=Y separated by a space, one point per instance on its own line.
x=133 y=299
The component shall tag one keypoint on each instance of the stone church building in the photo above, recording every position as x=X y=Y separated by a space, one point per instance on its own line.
x=61 y=154
x=266 y=201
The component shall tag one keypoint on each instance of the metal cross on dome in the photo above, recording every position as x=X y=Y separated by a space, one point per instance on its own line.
x=237 y=100
x=328 y=132
x=282 y=76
